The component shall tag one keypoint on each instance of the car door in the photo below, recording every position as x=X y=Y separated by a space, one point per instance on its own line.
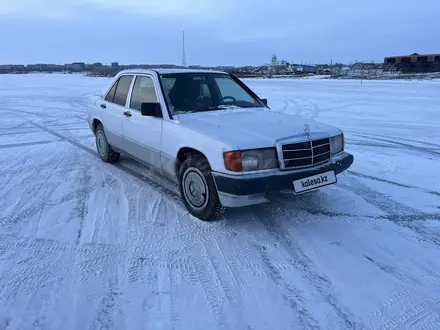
x=143 y=134
x=113 y=107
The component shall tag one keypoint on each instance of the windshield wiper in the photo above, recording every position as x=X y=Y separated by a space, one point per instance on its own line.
x=221 y=107
x=183 y=111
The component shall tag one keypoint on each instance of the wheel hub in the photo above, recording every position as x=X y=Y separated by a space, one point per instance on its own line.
x=195 y=188
x=101 y=143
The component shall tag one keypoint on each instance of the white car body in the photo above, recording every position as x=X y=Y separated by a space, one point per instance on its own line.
x=158 y=142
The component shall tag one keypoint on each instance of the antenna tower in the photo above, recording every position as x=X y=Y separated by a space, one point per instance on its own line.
x=183 y=50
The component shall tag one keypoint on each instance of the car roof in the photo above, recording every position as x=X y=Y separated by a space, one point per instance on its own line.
x=169 y=71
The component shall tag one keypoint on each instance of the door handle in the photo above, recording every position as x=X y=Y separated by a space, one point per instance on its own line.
x=127 y=113
x=103 y=106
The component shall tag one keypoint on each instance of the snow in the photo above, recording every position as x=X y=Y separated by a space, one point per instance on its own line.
x=88 y=245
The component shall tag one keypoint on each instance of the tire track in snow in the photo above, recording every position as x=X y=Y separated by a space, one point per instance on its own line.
x=211 y=285
x=227 y=280
x=310 y=111
x=300 y=261
x=156 y=209
x=152 y=181
x=39 y=305
x=363 y=143
x=381 y=201
x=429 y=318
x=413 y=312
x=19 y=133
x=296 y=107
x=109 y=307
x=174 y=283
x=74 y=129
x=40 y=260
x=402 y=215
x=169 y=193
x=5 y=324
x=94 y=260
x=27 y=206
x=120 y=166
x=36 y=247
x=373 y=136
x=292 y=296
x=278 y=100
x=246 y=259
x=82 y=195
x=58 y=124
x=26 y=144
x=297 y=207
x=106 y=310
x=375 y=178
x=36 y=114
x=406 y=145
x=389 y=269
x=344 y=106
x=138 y=265
x=158 y=274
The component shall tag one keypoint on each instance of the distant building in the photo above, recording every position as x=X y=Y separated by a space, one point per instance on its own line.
x=47 y=67
x=33 y=67
x=115 y=64
x=414 y=63
x=97 y=65
x=78 y=66
x=226 y=68
x=306 y=69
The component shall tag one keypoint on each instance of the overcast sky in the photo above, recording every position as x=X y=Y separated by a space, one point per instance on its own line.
x=220 y=32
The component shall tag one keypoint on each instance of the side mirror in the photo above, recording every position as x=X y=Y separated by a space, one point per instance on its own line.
x=151 y=110
x=264 y=102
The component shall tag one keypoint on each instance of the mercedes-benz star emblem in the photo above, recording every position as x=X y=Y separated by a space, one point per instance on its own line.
x=307 y=130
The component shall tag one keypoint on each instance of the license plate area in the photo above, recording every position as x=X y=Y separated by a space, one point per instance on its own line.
x=314 y=181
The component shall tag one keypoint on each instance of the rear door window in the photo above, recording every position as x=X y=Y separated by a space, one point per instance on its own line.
x=122 y=90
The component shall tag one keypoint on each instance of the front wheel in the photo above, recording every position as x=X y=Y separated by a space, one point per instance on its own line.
x=198 y=190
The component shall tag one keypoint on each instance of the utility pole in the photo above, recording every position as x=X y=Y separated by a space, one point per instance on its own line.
x=183 y=50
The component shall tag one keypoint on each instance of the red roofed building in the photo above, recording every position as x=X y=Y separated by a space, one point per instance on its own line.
x=414 y=63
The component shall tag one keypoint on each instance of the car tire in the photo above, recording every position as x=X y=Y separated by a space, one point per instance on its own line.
x=105 y=151
x=198 y=190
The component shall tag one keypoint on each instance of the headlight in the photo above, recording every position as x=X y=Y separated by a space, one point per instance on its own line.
x=251 y=160
x=337 y=144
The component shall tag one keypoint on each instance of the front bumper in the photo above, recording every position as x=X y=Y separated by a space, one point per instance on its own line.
x=242 y=190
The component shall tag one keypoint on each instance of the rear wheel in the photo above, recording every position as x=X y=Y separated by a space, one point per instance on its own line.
x=198 y=190
x=105 y=150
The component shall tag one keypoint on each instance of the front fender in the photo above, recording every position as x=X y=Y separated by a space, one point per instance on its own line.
x=176 y=136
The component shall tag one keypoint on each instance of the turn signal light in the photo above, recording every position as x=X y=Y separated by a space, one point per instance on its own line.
x=233 y=161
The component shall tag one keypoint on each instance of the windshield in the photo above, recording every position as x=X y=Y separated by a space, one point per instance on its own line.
x=195 y=92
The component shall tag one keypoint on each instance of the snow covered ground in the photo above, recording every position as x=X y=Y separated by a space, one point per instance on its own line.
x=88 y=245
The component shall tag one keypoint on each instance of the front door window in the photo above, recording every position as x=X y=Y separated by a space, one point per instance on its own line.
x=143 y=92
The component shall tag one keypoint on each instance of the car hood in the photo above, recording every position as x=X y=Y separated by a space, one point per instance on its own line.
x=252 y=127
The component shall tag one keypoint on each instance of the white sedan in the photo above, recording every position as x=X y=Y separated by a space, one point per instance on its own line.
x=213 y=136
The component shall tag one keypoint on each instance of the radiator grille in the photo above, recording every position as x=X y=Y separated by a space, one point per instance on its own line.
x=305 y=153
